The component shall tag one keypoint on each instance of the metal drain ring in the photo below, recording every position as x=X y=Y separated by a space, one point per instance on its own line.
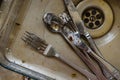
x=103 y=8
x=93 y=17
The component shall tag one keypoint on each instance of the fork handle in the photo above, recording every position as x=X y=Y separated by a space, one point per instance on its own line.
x=86 y=73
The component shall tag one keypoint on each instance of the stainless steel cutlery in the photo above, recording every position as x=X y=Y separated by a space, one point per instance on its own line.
x=47 y=50
x=71 y=27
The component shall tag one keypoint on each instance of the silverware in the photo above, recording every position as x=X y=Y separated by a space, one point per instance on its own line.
x=49 y=20
x=47 y=50
x=107 y=68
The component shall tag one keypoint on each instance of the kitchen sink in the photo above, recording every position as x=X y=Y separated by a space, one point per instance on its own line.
x=16 y=56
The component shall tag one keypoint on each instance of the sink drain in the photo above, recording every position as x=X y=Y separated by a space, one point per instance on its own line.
x=93 y=17
x=97 y=16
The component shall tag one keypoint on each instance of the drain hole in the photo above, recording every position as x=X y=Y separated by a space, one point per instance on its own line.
x=87 y=14
x=97 y=23
x=93 y=17
x=99 y=16
x=86 y=20
x=91 y=25
x=94 y=12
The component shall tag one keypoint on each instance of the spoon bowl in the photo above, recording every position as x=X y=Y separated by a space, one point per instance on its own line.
x=53 y=22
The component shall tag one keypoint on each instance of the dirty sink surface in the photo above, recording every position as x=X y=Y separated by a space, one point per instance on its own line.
x=24 y=55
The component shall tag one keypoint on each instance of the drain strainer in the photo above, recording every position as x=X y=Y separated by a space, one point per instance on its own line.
x=93 y=17
x=97 y=16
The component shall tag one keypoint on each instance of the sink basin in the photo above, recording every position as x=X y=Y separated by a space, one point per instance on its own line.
x=19 y=54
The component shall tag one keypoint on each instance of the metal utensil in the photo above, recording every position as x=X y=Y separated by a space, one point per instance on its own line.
x=47 y=50
x=67 y=34
x=80 y=25
x=65 y=18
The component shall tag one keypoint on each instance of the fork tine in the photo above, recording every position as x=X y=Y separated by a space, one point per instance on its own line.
x=33 y=45
x=28 y=41
x=36 y=41
x=28 y=33
x=33 y=36
x=23 y=39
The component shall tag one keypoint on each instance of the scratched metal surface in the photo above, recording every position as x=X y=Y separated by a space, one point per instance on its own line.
x=25 y=56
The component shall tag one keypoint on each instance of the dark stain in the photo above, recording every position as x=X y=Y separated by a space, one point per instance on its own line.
x=23 y=61
x=118 y=26
x=73 y=75
x=41 y=0
x=76 y=2
x=109 y=46
x=27 y=78
x=18 y=24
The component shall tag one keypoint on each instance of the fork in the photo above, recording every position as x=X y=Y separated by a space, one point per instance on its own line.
x=42 y=47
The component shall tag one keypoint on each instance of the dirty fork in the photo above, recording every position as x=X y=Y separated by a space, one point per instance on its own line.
x=47 y=50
